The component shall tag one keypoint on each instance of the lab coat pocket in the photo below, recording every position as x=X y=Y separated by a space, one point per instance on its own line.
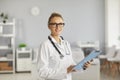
x=52 y=61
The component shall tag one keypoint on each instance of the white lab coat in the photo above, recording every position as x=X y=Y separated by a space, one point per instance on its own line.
x=50 y=65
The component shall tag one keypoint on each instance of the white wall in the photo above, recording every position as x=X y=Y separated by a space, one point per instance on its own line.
x=84 y=19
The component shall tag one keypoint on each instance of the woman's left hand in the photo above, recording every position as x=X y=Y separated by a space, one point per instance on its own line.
x=87 y=64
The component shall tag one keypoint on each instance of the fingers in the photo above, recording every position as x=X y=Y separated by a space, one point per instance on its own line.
x=87 y=64
x=91 y=60
x=70 y=69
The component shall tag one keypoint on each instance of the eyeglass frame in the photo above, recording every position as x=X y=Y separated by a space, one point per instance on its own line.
x=57 y=24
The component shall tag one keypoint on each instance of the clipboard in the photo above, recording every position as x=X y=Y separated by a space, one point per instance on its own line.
x=92 y=55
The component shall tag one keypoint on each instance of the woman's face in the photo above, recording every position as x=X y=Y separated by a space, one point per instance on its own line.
x=56 y=26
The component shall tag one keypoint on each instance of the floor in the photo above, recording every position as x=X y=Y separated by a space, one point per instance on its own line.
x=17 y=76
x=104 y=75
x=28 y=76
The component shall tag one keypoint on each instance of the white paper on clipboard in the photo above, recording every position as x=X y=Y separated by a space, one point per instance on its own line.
x=92 y=55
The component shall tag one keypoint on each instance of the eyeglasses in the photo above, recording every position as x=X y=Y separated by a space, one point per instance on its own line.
x=57 y=24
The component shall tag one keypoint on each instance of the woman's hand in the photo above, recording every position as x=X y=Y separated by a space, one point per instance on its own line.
x=70 y=69
x=87 y=64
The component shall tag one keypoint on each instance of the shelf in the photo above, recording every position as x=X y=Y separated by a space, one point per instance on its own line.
x=6 y=59
x=7 y=71
x=6 y=35
x=10 y=23
x=5 y=47
x=24 y=51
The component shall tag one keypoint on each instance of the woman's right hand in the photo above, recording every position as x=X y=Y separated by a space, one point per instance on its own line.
x=70 y=69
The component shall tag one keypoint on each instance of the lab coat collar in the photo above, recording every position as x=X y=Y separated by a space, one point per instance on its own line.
x=55 y=40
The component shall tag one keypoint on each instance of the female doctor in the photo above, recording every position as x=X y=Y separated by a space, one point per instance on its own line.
x=55 y=60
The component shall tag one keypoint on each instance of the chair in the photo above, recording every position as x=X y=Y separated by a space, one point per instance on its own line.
x=110 y=52
x=105 y=65
x=115 y=64
x=78 y=54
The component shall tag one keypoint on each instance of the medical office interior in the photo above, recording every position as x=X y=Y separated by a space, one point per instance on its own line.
x=89 y=25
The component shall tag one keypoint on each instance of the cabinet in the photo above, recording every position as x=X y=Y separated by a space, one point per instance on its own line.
x=23 y=60
x=7 y=46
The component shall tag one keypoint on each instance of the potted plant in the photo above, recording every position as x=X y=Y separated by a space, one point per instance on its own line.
x=4 y=17
x=22 y=46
